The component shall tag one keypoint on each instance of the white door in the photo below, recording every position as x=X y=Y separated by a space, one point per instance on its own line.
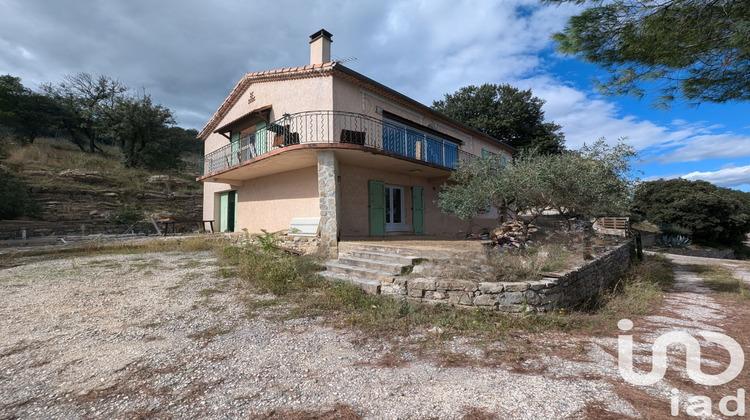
x=395 y=218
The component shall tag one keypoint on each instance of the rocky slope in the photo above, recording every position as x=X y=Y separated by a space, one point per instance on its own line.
x=82 y=202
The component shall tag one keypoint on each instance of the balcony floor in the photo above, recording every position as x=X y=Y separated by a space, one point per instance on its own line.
x=306 y=155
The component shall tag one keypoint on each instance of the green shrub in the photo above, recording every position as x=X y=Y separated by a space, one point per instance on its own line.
x=16 y=198
x=128 y=215
x=709 y=214
x=675 y=230
x=272 y=271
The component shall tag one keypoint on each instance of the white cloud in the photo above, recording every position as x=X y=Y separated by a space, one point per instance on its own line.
x=190 y=54
x=725 y=177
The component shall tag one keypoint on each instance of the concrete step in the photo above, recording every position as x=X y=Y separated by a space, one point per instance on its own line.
x=369 y=286
x=388 y=267
x=359 y=272
x=431 y=253
x=385 y=256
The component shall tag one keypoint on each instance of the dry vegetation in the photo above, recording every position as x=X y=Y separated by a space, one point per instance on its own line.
x=721 y=280
x=44 y=159
x=298 y=291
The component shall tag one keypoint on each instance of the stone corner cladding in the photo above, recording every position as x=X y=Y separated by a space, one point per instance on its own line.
x=570 y=289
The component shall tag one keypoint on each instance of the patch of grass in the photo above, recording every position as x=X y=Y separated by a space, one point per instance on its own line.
x=197 y=243
x=646 y=226
x=476 y=413
x=720 y=279
x=153 y=263
x=208 y=292
x=189 y=264
x=210 y=333
x=339 y=411
x=106 y=263
x=272 y=271
x=254 y=305
x=638 y=292
x=294 y=280
x=530 y=263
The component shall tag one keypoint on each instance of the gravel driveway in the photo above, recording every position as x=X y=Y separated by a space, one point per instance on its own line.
x=164 y=335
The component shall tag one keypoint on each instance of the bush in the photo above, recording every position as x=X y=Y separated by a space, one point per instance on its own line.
x=128 y=215
x=159 y=157
x=713 y=214
x=16 y=198
x=272 y=271
x=674 y=230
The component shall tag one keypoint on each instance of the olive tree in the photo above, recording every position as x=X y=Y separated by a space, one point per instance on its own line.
x=593 y=181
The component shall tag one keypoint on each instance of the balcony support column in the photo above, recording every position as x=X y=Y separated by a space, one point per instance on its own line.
x=328 y=192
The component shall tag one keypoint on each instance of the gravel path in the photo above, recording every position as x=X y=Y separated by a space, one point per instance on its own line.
x=165 y=336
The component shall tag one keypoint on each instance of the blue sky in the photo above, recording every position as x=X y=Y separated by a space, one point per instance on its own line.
x=189 y=55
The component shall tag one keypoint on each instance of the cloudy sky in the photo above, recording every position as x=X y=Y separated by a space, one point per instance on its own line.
x=189 y=54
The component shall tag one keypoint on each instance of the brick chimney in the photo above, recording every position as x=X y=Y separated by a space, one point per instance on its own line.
x=320 y=47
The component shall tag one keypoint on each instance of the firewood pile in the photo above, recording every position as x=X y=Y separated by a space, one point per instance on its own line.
x=510 y=234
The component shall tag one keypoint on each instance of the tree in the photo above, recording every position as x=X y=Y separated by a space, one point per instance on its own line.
x=592 y=182
x=142 y=130
x=506 y=113
x=17 y=201
x=85 y=103
x=25 y=112
x=697 y=49
x=711 y=213
x=522 y=188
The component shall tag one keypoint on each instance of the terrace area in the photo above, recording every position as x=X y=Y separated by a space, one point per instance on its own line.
x=341 y=130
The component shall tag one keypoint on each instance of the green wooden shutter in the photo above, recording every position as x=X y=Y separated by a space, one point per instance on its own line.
x=228 y=211
x=417 y=203
x=377 y=208
x=235 y=148
x=485 y=153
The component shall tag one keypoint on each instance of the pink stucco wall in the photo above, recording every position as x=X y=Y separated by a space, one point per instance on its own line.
x=354 y=203
x=271 y=202
x=286 y=96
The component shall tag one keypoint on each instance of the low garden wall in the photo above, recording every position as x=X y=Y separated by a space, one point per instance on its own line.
x=568 y=289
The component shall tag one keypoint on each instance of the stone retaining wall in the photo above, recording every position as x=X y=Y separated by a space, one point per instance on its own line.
x=569 y=289
x=307 y=245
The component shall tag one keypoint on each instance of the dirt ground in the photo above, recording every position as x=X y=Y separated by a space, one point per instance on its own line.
x=163 y=335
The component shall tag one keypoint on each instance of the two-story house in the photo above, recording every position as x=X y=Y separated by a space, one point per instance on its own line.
x=324 y=141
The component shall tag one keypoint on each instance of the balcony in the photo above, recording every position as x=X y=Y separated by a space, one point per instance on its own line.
x=319 y=128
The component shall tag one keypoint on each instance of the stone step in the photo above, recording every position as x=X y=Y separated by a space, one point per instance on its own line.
x=388 y=267
x=431 y=254
x=369 y=286
x=360 y=272
x=385 y=256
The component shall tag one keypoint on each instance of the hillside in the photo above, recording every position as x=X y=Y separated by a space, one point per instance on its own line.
x=75 y=192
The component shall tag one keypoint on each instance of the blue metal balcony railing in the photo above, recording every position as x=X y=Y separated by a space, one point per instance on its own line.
x=321 y=127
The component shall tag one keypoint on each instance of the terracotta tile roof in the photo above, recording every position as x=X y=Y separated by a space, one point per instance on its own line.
x=311 y=70
x=317 y=70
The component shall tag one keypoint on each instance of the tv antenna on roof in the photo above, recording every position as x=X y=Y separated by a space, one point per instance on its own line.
x=344 y=60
